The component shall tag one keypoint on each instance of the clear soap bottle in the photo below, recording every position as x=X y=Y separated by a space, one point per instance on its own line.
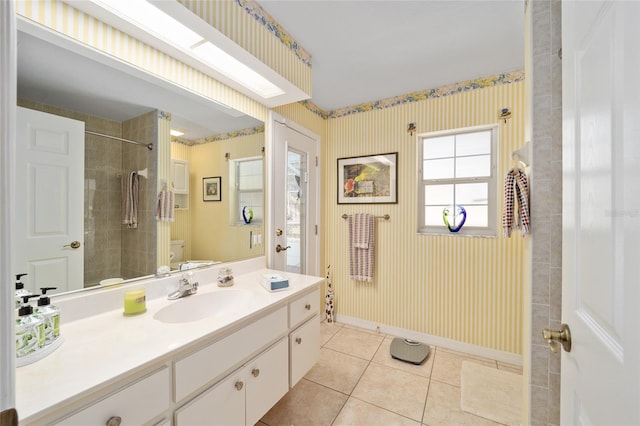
x=20 y=290
x=29 y=330
x=50 y=315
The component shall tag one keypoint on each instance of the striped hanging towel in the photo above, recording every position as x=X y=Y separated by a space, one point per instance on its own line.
x=516 y=189
x=129 y=186
x=164 y=207
x=361 y=246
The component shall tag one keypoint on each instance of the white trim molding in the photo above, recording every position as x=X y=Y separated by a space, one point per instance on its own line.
x=8 y=82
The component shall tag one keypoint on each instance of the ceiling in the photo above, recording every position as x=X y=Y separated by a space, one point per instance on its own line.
x=364 y=51
x=73 y=81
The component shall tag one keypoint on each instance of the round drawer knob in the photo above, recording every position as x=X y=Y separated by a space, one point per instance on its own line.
x=114 y=421
x=298 y=340
x=255 y=372
x=239 y=385
x=307 y=307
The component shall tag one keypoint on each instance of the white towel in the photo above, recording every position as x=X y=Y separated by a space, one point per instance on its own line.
x=361 y=246
x=164 y=207
x=129 y=186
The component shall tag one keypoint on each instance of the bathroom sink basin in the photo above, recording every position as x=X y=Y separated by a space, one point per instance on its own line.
x=205 y=305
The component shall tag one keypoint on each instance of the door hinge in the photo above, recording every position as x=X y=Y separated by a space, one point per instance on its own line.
x=316 y=229
x=316 y=161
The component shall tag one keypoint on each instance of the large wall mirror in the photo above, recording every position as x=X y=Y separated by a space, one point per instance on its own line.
x=218 y=142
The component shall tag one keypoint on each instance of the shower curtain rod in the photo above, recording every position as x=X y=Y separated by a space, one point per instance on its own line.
x=148 y=145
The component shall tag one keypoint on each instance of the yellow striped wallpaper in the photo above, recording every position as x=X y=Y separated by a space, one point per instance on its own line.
x=228 y=17
x=164 y=175
x=462 y=288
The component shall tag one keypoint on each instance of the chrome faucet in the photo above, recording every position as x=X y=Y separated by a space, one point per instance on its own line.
x=185 y=287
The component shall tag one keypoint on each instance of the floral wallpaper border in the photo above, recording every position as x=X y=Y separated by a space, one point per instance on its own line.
x=219 y=137
x=263 y=17
x=452 y=89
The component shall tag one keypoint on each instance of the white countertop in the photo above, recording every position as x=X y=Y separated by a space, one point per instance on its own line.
x=101 y=349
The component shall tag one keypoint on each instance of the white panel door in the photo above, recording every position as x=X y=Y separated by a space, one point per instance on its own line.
x=294 y=201
x=601 y=202
x=49 y=201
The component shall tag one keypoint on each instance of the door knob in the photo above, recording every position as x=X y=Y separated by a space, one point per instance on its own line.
x=73 y=245
x=279 y=248
x=557 y=338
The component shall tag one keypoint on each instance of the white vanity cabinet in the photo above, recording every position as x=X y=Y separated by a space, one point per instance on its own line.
x=232 y=375
x=243 y=397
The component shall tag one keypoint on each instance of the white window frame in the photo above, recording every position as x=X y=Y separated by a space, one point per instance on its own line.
x=488 y=231
x=236 y=213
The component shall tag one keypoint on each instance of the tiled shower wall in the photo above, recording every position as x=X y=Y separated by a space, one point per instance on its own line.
x=546 y=205
x=102 y=239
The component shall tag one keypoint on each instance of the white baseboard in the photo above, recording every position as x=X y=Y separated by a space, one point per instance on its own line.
x=437 y=341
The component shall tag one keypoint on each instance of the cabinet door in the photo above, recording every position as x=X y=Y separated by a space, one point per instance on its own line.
x=180 y=176
x=267 y=382
x=304 y=343
x=221 y=405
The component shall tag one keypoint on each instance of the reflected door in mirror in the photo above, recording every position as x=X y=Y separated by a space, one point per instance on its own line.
x=49 y=200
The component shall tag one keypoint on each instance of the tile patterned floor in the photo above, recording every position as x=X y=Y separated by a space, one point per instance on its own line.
x=356 y=382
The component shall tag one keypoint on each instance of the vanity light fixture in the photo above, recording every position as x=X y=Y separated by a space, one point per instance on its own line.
x=175 y=30
x=175 y=132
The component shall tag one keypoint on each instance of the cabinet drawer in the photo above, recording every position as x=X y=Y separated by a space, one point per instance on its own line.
x=138 y=403
x=304 y=349
x=200 y=368
x=304 y=307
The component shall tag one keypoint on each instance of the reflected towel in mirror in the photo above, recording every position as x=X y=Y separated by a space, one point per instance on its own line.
x=129 y=184
x=164 y=207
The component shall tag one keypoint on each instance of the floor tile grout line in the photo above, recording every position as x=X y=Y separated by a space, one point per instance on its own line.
x=385 y=409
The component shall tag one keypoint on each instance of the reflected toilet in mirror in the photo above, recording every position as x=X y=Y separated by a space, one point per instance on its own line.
x=176 y=256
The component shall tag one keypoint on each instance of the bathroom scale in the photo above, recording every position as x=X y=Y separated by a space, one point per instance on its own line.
x=409 y=350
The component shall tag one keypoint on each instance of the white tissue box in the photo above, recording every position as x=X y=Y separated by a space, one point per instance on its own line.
x=275 y=282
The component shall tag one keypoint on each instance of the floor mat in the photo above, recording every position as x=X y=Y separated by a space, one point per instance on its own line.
x=491 y=393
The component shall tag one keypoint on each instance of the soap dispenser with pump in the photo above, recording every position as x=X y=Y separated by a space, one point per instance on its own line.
x=20 y=290
x=50 y=315
x=29 y=330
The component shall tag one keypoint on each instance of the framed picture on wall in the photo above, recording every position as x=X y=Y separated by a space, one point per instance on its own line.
x=372 y=179
x=212 y=188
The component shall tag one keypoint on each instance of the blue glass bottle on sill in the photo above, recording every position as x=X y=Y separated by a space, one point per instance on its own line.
x=247 y=214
